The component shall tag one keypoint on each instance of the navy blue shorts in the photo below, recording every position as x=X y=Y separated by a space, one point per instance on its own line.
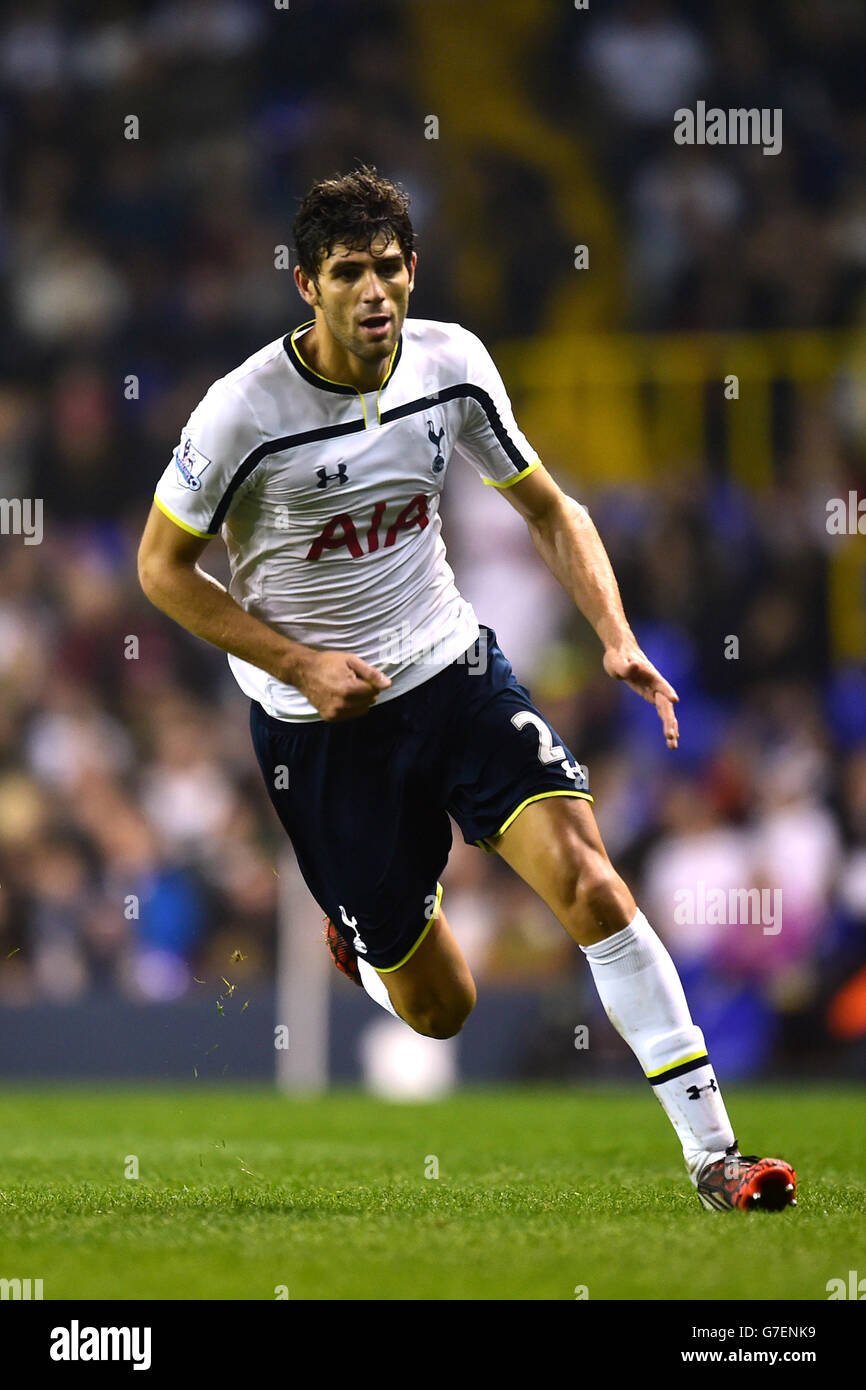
x=366 y=801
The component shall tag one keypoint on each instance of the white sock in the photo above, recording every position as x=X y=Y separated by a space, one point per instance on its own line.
x=640 y=989
x=376 y=987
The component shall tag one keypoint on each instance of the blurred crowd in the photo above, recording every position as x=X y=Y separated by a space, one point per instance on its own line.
x=138 y=852
x=724 y=236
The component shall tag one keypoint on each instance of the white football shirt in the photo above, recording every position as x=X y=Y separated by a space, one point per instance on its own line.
x=327 y=499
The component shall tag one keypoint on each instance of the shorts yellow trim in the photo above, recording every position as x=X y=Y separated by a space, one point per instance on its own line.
x=386 y=969
x=669 y=1066
x=205 y=535
x=539 y=796
x=524 y=473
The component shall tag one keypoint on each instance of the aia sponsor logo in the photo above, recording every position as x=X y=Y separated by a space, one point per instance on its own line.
x=343 y=532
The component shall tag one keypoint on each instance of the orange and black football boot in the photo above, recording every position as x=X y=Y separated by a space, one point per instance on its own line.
x=740 y=1182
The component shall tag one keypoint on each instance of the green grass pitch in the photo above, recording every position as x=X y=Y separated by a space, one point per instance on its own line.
x=241 y=1191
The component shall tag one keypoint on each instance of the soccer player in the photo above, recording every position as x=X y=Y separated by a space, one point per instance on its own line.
x=378 y=703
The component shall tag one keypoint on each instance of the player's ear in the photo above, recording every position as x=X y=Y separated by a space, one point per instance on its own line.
x=306 y=287
x=412 y=265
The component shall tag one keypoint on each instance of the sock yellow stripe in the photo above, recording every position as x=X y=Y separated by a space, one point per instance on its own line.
x=680 y=1062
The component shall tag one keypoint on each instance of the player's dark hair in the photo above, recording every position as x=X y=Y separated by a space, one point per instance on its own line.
x=353 y=210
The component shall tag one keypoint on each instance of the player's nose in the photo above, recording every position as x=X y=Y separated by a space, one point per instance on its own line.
x=373 y=291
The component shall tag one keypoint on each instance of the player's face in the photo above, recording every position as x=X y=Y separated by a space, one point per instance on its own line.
x=364 y=297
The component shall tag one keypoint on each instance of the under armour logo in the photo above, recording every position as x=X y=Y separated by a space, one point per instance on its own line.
x=436 y=441
x=352 y=924
x=694 y=1092
x=325 y=477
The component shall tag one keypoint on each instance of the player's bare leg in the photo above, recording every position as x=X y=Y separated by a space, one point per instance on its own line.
x=555 y=846
x=434 y=992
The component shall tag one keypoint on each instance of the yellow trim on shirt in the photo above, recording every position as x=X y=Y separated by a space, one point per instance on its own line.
x=304 y=363
x=386 y=970
x=184 y=526
x=385 y=379
x=491 y=482
x=347 y=384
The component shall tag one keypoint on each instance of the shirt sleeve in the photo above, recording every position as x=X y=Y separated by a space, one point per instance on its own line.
x=490 y=439
x=210 y=464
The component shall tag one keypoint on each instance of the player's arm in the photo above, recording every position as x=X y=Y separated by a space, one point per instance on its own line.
x=340 y=685
x=568 y=542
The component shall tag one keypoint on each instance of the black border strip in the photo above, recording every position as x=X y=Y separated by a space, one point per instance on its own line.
x=681 y=1070
x=475 y=393
x=276 y=446
x=300 y=366
x=289 y=441
x=303 y=370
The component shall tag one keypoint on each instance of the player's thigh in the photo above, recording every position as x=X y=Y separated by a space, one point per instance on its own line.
x=369 y=839
x=555 y=846
x=435 y=984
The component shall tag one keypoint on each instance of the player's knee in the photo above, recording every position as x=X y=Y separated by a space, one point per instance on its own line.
x=444 y=1018
x=592 y=891
x=440 y=1024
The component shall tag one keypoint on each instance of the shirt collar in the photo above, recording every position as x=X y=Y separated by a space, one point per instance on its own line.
x=340 y=388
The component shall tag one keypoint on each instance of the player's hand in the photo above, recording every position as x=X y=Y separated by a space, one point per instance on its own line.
x=340 y=684
x=628 y=663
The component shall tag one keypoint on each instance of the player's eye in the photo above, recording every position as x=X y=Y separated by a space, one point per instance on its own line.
x=351 y=272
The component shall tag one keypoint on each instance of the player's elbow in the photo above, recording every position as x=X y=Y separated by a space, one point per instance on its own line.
x=151 y=573
x=145 y=569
